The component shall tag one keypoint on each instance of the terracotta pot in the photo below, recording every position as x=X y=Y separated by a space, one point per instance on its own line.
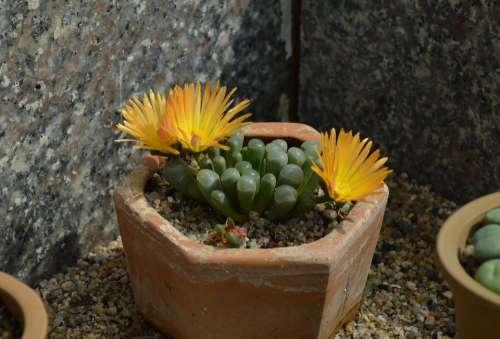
x=477 y=309
x=190 y=290
x=25 y=305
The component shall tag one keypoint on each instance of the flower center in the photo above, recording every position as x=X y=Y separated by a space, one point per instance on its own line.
x=342 y=190
x=195 y=141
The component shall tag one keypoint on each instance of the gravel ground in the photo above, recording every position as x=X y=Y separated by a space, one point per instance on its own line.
x=405 y=295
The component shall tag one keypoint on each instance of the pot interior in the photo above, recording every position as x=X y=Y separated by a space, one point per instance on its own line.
x=10 y=320
x=469 y=231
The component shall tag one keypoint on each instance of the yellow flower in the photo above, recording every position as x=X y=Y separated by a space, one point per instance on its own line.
x=347 y=169
x=201 y=120
x=142 y=121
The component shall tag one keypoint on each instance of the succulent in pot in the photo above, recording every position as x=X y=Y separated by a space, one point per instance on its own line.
x=468 y=249
x=243 y=171
x=484 y=251
x=271 y=179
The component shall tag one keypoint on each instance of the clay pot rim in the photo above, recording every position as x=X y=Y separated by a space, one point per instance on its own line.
x=26 y=306
x=452 y=238
x=132 y=192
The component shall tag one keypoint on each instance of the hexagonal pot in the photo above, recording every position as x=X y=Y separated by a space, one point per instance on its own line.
x=25 y=305
x=191 y=290
x=477 y=309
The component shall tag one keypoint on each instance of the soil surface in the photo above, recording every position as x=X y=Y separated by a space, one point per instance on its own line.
x=196 y=220
x=10 y=328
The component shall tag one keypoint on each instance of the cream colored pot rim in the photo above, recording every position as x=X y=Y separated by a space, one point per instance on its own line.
x=452 y=239
x=26 y=304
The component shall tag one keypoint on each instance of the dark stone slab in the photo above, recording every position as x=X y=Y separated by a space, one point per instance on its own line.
x=67 y=67
x=422 y=78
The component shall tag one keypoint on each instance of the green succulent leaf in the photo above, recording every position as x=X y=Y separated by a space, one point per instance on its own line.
x=488 y=275
x=235 y=142
x=486 y=241
x=220 y=202
x=246 y=188
x=233 y=158
x=310 y=146
x=208 y=181
x=492 y=217
x=229 y=179
x=266 y=192
x=206 y=163
x=285 y=198
x=296 y=156
x=219 y=164
x=213 y=152
x=270 y=147
x=242 y=166
x=305 y=203
x=244 y=152
x=292 y=175
x=234 y=239
x=177 y=173
x=281 y=143
x=253 y=173
x=275 y=160
x=220 y=229
x=256 y=152
x=311 y=181
x=263 y=167
x=194 y=192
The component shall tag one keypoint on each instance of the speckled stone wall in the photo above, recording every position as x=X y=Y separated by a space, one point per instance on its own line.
x=66 y=68
x=420 y=77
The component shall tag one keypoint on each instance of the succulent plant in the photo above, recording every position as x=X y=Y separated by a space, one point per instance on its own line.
x=273 y=180
x=492 y=216
x=488 y=275
x=486 y=242
x=485 y=248
x=229 y=234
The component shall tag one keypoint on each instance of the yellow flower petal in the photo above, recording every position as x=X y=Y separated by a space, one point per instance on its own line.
x=142 y=121
x=347 y=168
x=201 y=117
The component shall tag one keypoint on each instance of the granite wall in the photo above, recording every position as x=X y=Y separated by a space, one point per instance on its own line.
x=420 y=77
x=66 y=68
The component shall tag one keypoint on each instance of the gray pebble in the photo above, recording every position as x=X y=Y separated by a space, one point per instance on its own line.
x=68 y=286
